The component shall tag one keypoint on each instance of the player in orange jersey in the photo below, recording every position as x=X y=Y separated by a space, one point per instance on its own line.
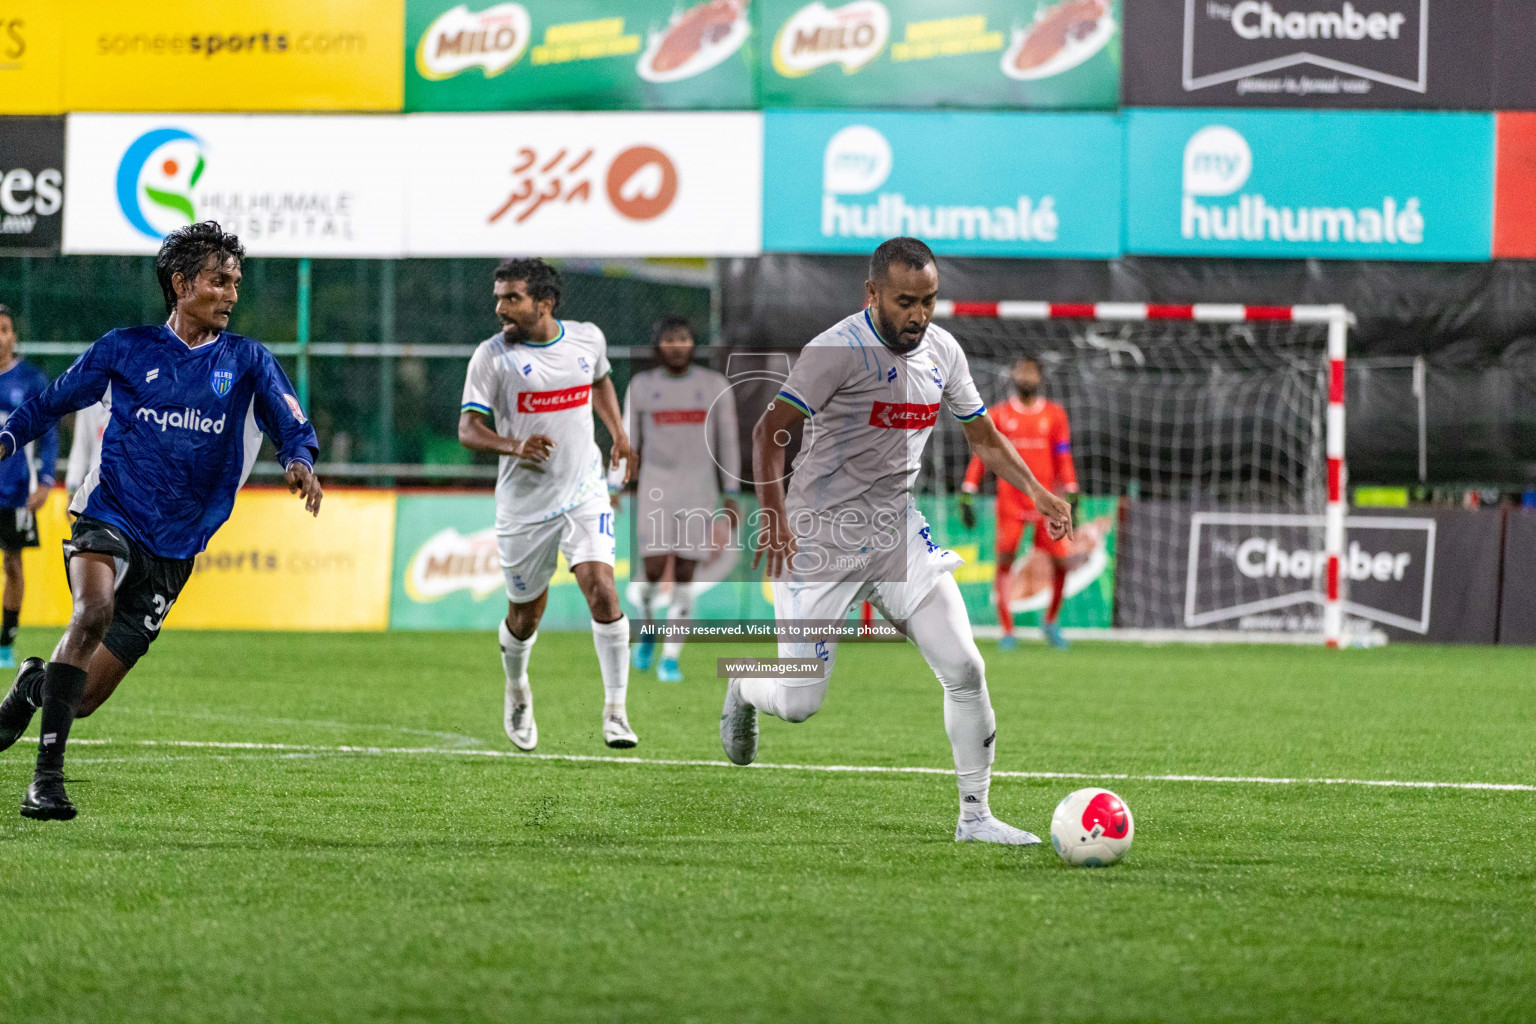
x=1038 y=430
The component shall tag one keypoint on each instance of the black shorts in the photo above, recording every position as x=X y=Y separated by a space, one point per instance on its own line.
x=18 y=529
x=146 y=586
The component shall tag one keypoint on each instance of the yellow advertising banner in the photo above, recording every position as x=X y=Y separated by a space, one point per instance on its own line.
x=272 y=566
x=276 y=55
x=32 y=57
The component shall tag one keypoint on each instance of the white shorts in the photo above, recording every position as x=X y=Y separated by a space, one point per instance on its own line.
x=530 y=551
x=896 y=600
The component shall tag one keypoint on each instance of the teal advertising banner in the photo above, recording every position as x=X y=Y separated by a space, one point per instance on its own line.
x=579 y=55
x=1032 y=184
x=1041 y=54
x=1405 y=186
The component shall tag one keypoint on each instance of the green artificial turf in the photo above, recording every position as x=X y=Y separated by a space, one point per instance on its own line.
x=247 y=884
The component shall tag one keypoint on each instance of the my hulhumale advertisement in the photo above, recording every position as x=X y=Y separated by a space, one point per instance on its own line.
x=968 y=184
x=1406 y=186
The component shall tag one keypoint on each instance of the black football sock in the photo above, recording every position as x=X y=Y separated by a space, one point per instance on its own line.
x=63 y=686
x=8 y=628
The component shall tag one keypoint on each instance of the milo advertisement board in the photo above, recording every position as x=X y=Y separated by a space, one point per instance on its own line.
x=578 y=55
x=1045 y=54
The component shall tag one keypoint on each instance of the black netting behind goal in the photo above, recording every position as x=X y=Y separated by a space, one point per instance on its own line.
x=1180 y=417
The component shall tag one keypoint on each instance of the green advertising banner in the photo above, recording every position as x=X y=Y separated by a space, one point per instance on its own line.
x=579 y=55
x=447 y=572
x=1040 y=54
x=1090 y=590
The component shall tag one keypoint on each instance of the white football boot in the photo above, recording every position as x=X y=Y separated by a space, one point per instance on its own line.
x=517 y=719
x=991 y=830
x=616 y=730
x=738 y=726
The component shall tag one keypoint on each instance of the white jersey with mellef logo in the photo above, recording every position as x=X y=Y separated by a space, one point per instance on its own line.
x=872 y=410
x=542 y=388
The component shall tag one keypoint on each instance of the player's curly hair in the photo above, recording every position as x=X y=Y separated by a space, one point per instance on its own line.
x=543 y=280
x=185 y=251
x=666 y=325
x=909 y=252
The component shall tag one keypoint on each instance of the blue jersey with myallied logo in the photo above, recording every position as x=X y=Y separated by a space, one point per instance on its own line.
x=185 y=428
x=21 y=382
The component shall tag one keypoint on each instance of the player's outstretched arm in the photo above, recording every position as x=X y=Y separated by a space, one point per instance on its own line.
x=605 y=402
x=81 y=385
x=1001 y=458
x=770 y=437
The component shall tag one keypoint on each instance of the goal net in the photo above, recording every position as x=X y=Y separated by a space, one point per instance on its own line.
x=1212 y=423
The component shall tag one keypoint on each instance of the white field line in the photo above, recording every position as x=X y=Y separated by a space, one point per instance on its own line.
x=1262 y=780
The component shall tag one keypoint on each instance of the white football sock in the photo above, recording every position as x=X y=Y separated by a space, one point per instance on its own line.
x=612 y=642
x=648 y=593
x=514 y=658
x=680 y=608
x=942 y=632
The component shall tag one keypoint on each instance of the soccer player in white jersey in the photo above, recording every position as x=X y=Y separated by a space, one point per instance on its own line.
x=682 y=420
x=529 y=397
x=871 y=389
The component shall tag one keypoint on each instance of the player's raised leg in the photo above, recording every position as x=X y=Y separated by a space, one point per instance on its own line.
x=942 y=632
x=789 y=698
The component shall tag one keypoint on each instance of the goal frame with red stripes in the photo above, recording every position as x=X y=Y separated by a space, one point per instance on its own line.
x=1336 y=318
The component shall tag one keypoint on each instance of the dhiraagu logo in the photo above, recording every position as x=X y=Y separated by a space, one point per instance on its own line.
x=155 y=180
x=1218 y=163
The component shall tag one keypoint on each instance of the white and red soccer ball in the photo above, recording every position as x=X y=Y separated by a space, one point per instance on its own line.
x=1092 y=828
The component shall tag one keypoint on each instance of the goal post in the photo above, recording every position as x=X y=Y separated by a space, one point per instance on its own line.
x=1207 y=405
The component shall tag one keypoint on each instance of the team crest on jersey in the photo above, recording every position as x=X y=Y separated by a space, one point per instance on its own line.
x=937 y=377
x=890 y=375
x=586 y=367
x=222 y=381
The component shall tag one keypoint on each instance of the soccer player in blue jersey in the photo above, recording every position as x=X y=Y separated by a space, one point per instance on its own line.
x=23 y=485
x=189 y=403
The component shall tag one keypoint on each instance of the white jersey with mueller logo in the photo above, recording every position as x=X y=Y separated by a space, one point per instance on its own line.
x=871 y=412
x=542 y=388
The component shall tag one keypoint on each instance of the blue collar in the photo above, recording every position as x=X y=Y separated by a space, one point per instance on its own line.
x=551 y=341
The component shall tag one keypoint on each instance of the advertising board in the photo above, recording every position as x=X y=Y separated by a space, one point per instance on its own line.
x=31 y=184
x=613 y=184
x=1310 y=53
x=1407 y=186
x=32 y=57
x=579 y=54
x=1041 y=54
x=1040 y=185
x=287 y=185
x=275 y=55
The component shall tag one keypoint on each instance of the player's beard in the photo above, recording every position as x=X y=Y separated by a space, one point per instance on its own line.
x=512 y=332
x=1027 y=395
x=899 y=344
